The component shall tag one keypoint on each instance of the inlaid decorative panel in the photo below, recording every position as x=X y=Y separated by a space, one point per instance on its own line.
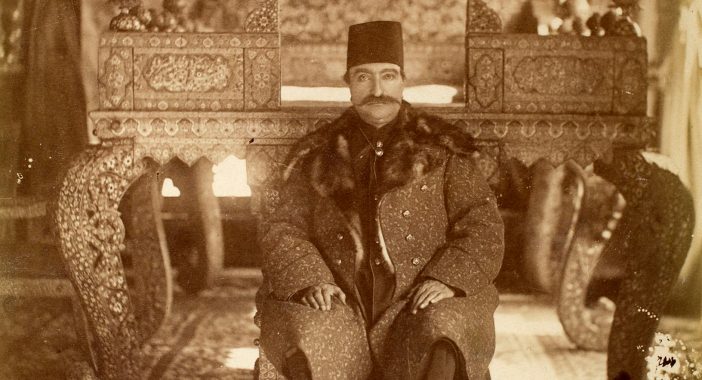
x=115 y=78
x=263 y=79
x=558 y=82
x=189 y=71
x=484 y=82
x=556 y=74
x=630 y=83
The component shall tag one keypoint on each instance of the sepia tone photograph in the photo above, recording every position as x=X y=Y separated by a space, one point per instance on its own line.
x=351 y=190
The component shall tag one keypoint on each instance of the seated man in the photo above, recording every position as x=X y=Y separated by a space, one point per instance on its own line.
x=379 y=258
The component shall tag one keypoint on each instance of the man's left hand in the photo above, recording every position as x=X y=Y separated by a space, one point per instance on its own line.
x=428 y=292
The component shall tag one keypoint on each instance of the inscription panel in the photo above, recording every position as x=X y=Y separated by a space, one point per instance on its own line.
x=199 y=79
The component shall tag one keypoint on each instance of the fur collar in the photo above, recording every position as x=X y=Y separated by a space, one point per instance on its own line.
x=417 y=148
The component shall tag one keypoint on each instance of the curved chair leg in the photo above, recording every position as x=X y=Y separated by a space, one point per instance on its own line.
x=552 y=214
x=209 y=220
x=198 y=251
x=588 y=327
x=654 y=235
x=151 y=285
x=92 y=238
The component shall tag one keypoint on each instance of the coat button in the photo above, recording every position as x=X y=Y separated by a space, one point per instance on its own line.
x=339 y=236
x=424 y=188
x=406 y=213
x=415 y=261
x=377 y=262
x=337 y=261
x=409 y=237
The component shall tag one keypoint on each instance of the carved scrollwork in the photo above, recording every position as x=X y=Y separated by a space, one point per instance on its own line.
x=92 y=238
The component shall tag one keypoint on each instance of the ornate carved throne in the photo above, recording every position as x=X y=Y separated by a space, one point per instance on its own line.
x=527 y=98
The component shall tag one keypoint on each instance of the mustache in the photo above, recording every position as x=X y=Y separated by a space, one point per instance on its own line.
x=380 y=99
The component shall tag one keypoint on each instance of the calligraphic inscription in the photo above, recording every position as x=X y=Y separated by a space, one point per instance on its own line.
x=196 y=79
x=187 y=73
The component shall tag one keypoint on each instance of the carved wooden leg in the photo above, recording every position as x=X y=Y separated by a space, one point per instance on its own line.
x=208 y=220
x=588 y=326
x=150 y=272
x=654 y=234
x=552 y=214
x=92 y=235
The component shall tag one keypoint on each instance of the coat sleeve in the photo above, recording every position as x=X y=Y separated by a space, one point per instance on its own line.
x=472 y=255
x=291 y=261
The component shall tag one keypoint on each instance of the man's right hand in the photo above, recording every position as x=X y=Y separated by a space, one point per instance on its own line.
x=319 y=297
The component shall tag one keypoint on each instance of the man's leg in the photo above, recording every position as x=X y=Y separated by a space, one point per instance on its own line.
x=456 y=332
x=442 y=361
x=296 y=366
x=312 y=344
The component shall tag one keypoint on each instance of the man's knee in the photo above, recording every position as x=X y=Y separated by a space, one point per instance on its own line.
x=297 y=337
x=297 y=323
x=430 y=322
x=337 y=322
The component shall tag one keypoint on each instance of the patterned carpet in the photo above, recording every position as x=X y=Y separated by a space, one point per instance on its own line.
x=211 y=337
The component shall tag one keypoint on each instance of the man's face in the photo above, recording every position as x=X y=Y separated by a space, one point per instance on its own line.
x=376 y=91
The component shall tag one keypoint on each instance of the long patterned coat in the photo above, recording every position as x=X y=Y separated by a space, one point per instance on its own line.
x=438 y=219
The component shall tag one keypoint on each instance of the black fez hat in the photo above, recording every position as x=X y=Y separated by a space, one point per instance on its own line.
x=375 y=42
